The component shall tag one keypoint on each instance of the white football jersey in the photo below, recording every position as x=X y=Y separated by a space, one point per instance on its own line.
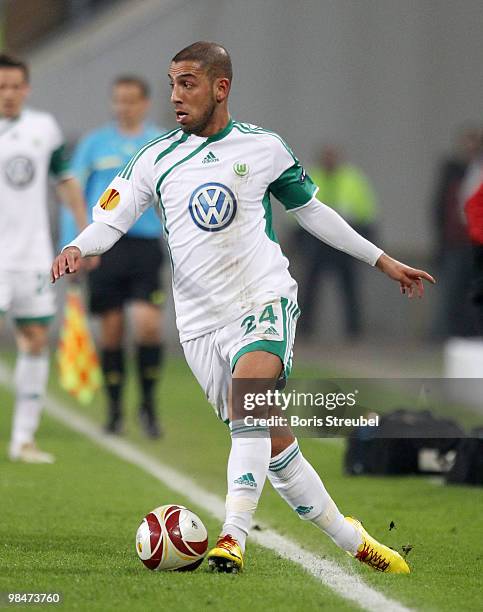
x=27 y=145
x=213 y=195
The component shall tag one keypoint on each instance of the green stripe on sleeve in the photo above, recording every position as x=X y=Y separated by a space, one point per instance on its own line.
x=293 y=188
x=59 y=162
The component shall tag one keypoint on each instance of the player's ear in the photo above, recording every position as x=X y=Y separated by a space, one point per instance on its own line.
x=222 y=87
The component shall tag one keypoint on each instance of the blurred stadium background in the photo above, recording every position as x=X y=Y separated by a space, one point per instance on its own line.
x=388 y=80
x=391 y=81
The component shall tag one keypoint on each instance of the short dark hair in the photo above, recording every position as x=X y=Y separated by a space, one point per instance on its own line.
x=9 y=61
x=133 y=79
x=212 y=56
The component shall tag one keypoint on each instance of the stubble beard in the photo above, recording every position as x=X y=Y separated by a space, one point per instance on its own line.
x=202 y=123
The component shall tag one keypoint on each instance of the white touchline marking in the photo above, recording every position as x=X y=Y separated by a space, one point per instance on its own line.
x=347 y=585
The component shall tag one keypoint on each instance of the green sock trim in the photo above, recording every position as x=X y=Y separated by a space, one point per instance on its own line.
x=282 y=463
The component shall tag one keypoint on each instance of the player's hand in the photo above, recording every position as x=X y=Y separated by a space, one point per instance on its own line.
x=68 y=262
x=410 y=279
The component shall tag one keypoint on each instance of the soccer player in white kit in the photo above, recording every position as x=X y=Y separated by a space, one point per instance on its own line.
x=31 y=148
x=236 y=303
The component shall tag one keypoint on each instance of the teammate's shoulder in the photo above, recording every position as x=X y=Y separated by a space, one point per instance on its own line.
x=44 y=124
x=38 y=116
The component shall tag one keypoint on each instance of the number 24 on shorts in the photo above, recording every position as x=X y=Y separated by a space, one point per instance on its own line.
x=267 y=316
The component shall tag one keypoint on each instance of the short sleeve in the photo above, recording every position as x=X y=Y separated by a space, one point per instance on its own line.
x=59 y=163
x=57 y=138
x=292 y=186
x=125 y=200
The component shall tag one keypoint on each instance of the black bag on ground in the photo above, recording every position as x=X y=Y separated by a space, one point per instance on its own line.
x=468 y=467
x=400 y=443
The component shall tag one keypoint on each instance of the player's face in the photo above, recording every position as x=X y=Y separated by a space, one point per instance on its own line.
x=193 y=95
x=129 y=105
x=14 y=89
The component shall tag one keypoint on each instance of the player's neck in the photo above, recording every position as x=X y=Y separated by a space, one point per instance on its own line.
x=11 y=116
x=218 y=124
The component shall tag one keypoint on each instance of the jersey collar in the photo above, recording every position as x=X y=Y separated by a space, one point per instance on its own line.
x=222 y=133
x=215 y=137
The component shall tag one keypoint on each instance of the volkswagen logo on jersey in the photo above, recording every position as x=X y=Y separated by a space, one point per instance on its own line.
x=212 y=207
x=19 y=172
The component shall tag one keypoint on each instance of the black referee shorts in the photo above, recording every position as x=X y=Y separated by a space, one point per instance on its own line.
x=131 y=270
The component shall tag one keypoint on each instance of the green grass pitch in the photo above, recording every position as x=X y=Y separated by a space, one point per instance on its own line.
x=70 y=527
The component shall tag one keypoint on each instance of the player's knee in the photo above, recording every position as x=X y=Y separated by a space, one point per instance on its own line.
x=32 y=339
x=149 y=333
x=148 y=324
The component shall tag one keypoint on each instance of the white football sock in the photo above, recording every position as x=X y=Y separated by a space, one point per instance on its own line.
x=246 y=474
x=30 y=378
x=298 y=483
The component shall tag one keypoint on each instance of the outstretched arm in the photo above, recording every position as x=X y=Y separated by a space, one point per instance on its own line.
x=327 y=225
x=410 y=279
x=119 y=207
x=97 y=238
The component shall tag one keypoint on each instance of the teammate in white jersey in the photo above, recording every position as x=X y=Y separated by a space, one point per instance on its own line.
x=31 y=148
x=235 y=300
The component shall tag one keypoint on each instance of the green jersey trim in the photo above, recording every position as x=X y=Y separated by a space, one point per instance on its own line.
x=34 y=320
x=215 y=137
x=245 y=128
x=222 y=133
x=181 y=161
x=282 y=348
x=127 y=170
x=218 y=136
x=59 y=162
x=294 y=188
x=171 y=148
x=276 y=347
x=267 y=205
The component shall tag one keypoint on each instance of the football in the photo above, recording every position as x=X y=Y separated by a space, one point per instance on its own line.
x=171 y=538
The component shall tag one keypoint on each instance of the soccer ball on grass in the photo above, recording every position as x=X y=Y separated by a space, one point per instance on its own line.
x=171 y=538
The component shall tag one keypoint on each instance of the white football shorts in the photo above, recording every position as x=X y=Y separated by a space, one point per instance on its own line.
x=27 y=296
x=212 y=357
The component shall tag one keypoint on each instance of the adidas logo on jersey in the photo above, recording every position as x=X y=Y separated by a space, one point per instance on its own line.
x=271 y=331
x=246 y=479
x=210 y=158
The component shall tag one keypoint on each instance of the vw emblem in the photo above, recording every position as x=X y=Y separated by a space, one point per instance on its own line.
x=212 y=207
x=19 y=172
